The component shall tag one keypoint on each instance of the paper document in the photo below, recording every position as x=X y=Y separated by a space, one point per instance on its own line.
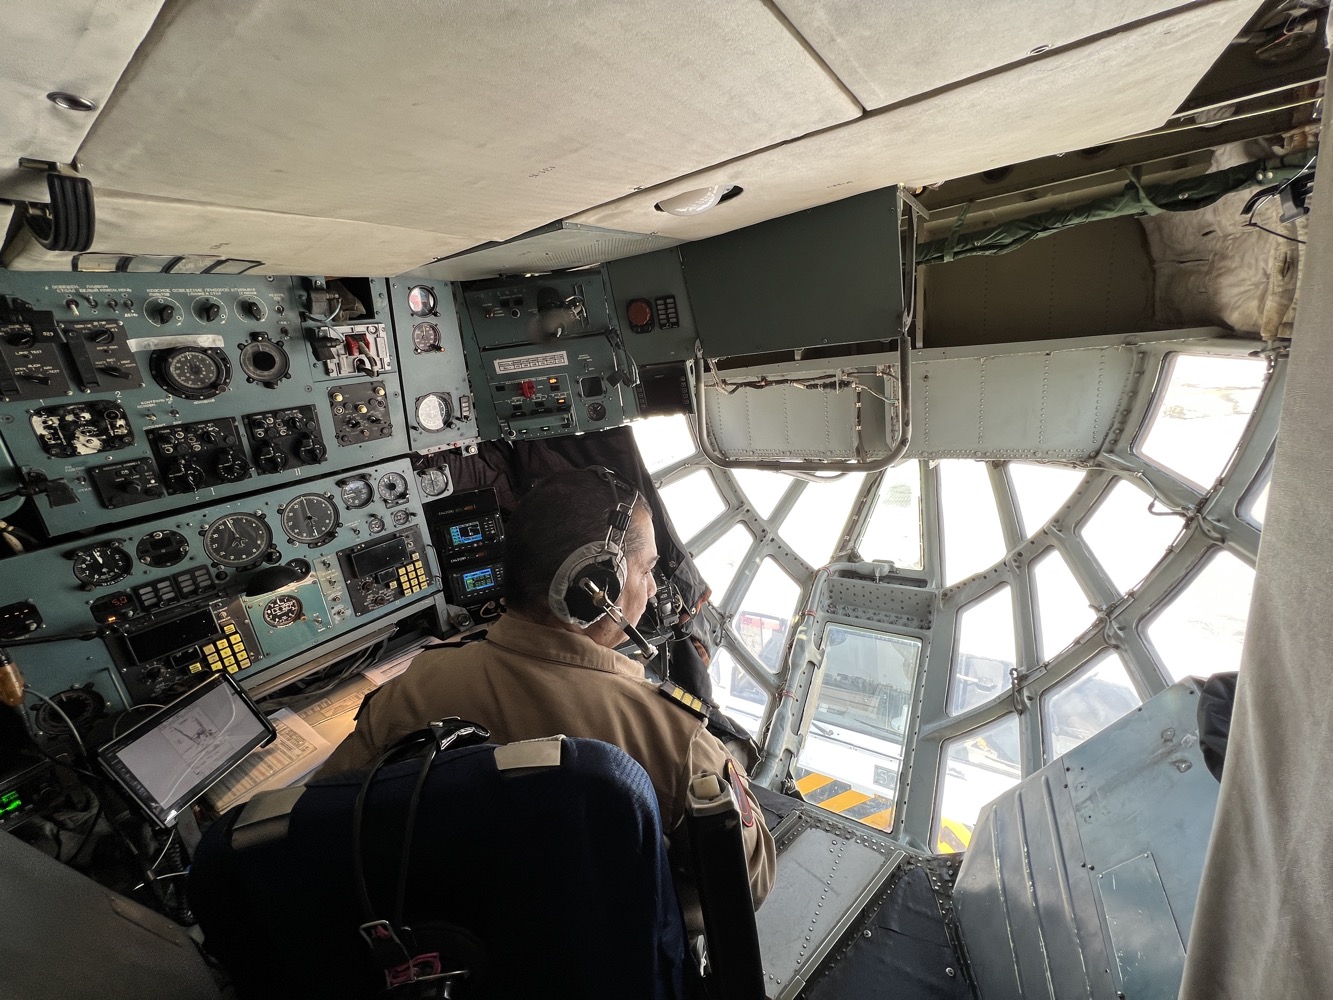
x=296 y=752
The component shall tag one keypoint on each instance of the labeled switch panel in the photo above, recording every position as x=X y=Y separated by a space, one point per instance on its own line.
x=198 y=455
x=285 y=439
x=360 y=412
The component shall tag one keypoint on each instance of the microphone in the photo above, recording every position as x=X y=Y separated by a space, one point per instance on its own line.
x=600 y=599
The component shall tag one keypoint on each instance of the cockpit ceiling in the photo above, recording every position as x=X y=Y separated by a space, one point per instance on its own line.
x=372 y=138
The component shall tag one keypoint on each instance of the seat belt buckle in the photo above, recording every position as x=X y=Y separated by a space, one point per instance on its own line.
x=385 y=945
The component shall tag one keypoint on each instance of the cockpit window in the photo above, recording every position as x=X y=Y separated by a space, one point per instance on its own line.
x=762 y=489
x=1041 y=490
x=1202 y=628
x=766 y=612
x=1127 y=537
x=818 y=517
x=1201 y=415
x=984 y=651
x=692 y=502
x=974 y=768
x=663 y=441
x=973 y=538
x=1085 y=703
x=1061 y=606
x=1255 y=505
x=893 y=531
x=718 y=563
x=736 y=692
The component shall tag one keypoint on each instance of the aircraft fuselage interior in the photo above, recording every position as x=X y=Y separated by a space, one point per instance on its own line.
x=949 y=347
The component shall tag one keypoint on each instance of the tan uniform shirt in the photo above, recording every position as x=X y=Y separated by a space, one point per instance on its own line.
x=526 y=681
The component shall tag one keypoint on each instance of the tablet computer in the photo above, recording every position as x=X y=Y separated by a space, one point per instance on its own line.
x=171 y=758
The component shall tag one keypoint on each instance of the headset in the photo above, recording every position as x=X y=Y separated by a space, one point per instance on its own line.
x=589 y=582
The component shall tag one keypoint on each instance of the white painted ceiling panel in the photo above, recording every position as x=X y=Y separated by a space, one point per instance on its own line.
x=78 y=46
x=485 y=120
x=1082 y=96
x=889 y=52
x=287 y=244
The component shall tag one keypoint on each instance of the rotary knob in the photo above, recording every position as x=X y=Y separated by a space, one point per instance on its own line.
x=230 y=466
x=186 y=476
x=310 y=450
x=271 y=458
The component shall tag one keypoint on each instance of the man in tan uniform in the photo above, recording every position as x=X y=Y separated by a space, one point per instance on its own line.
x=543 y=669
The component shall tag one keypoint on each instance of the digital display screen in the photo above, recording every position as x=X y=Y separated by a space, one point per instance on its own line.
x=156 y=642
x=170 y=759
x=465 y=534
x=10 y=802
x=478 y=579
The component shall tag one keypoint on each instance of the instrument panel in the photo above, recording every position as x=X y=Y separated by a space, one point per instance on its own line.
x=237 y=585
x=117 y=391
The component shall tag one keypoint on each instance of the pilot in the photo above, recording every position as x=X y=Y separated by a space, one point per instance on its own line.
x=549 y=665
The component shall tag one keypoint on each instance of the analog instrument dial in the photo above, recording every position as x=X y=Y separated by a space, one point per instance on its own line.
x=435 y=411
x=356 y=493
x=102 y=565
x=433 y=482
x=421 y=301
x=425 y=338
x=191 y=372
x=282 y=611
x=392 y=487
x=310 y=519
x=237 y=539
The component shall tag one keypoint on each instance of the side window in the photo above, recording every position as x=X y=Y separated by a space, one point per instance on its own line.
x=984 y=651
x=1201 y=629
x=1061 y=607
x=974 y=768
x=1127 y=538
x=765 y=613
x=973 y=538
x=1085 y=703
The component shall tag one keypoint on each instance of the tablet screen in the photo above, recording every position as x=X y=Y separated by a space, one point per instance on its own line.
x=170 y=759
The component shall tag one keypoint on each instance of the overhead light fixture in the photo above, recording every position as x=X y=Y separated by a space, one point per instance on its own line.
x=699 y=200
x=70 y=102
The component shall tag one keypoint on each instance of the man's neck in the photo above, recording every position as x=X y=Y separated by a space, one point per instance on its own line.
x=604 y=631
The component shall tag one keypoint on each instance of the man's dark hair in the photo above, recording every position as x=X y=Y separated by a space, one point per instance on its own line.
x=556 y=516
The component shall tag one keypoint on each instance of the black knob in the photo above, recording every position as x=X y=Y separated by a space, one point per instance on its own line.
x=310 y=450
x=231 y=467
x=210 y=311
x=102 y=335
x=253 y=309
x=22 y=337
x=165 y=312
x=188 y=476
x=271 y=458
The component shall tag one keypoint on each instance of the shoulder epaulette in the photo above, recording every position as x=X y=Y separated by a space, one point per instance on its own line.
x=690 y=702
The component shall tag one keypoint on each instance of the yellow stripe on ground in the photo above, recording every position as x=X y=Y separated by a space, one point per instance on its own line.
x=844 y=801
x=812 y=782
x=882 y=820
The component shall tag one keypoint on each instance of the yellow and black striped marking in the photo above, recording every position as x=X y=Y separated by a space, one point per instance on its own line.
x=841 y=798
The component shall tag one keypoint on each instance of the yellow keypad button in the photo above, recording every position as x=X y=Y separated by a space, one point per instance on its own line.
x=196 y=667
x=215 y=666
x=229 y=629
x=232 y=669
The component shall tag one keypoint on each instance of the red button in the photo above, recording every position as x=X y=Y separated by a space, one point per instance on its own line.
x=528 y=388
x=640 y=312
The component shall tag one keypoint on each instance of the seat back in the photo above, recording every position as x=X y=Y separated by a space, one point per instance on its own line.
x=549 y=881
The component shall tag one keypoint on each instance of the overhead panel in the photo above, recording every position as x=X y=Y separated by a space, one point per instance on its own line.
x=1083 y=95
x=551 y=248
x=886 y=53
x=481 y=120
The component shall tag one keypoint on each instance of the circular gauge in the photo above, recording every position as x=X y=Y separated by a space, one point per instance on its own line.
x=265 y=362
x=102 y=565
x=421 y=301
x=160 y=549
x=356 y=493
x=310 y=518
x=282 y=611
x=425 y=338
x=79 y=706
x=237 y=539
x=401 y=517
x=191 y=372
x=392 y=487
x=435 y=411
x=375 y=524
x=433 y=482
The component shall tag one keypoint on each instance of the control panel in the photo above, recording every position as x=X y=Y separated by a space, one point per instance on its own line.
x=547 y=358
x=239 y=585
x=440 y=405
x=154 y=393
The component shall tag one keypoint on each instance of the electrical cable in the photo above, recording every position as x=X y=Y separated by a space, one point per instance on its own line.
x=83 y=749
